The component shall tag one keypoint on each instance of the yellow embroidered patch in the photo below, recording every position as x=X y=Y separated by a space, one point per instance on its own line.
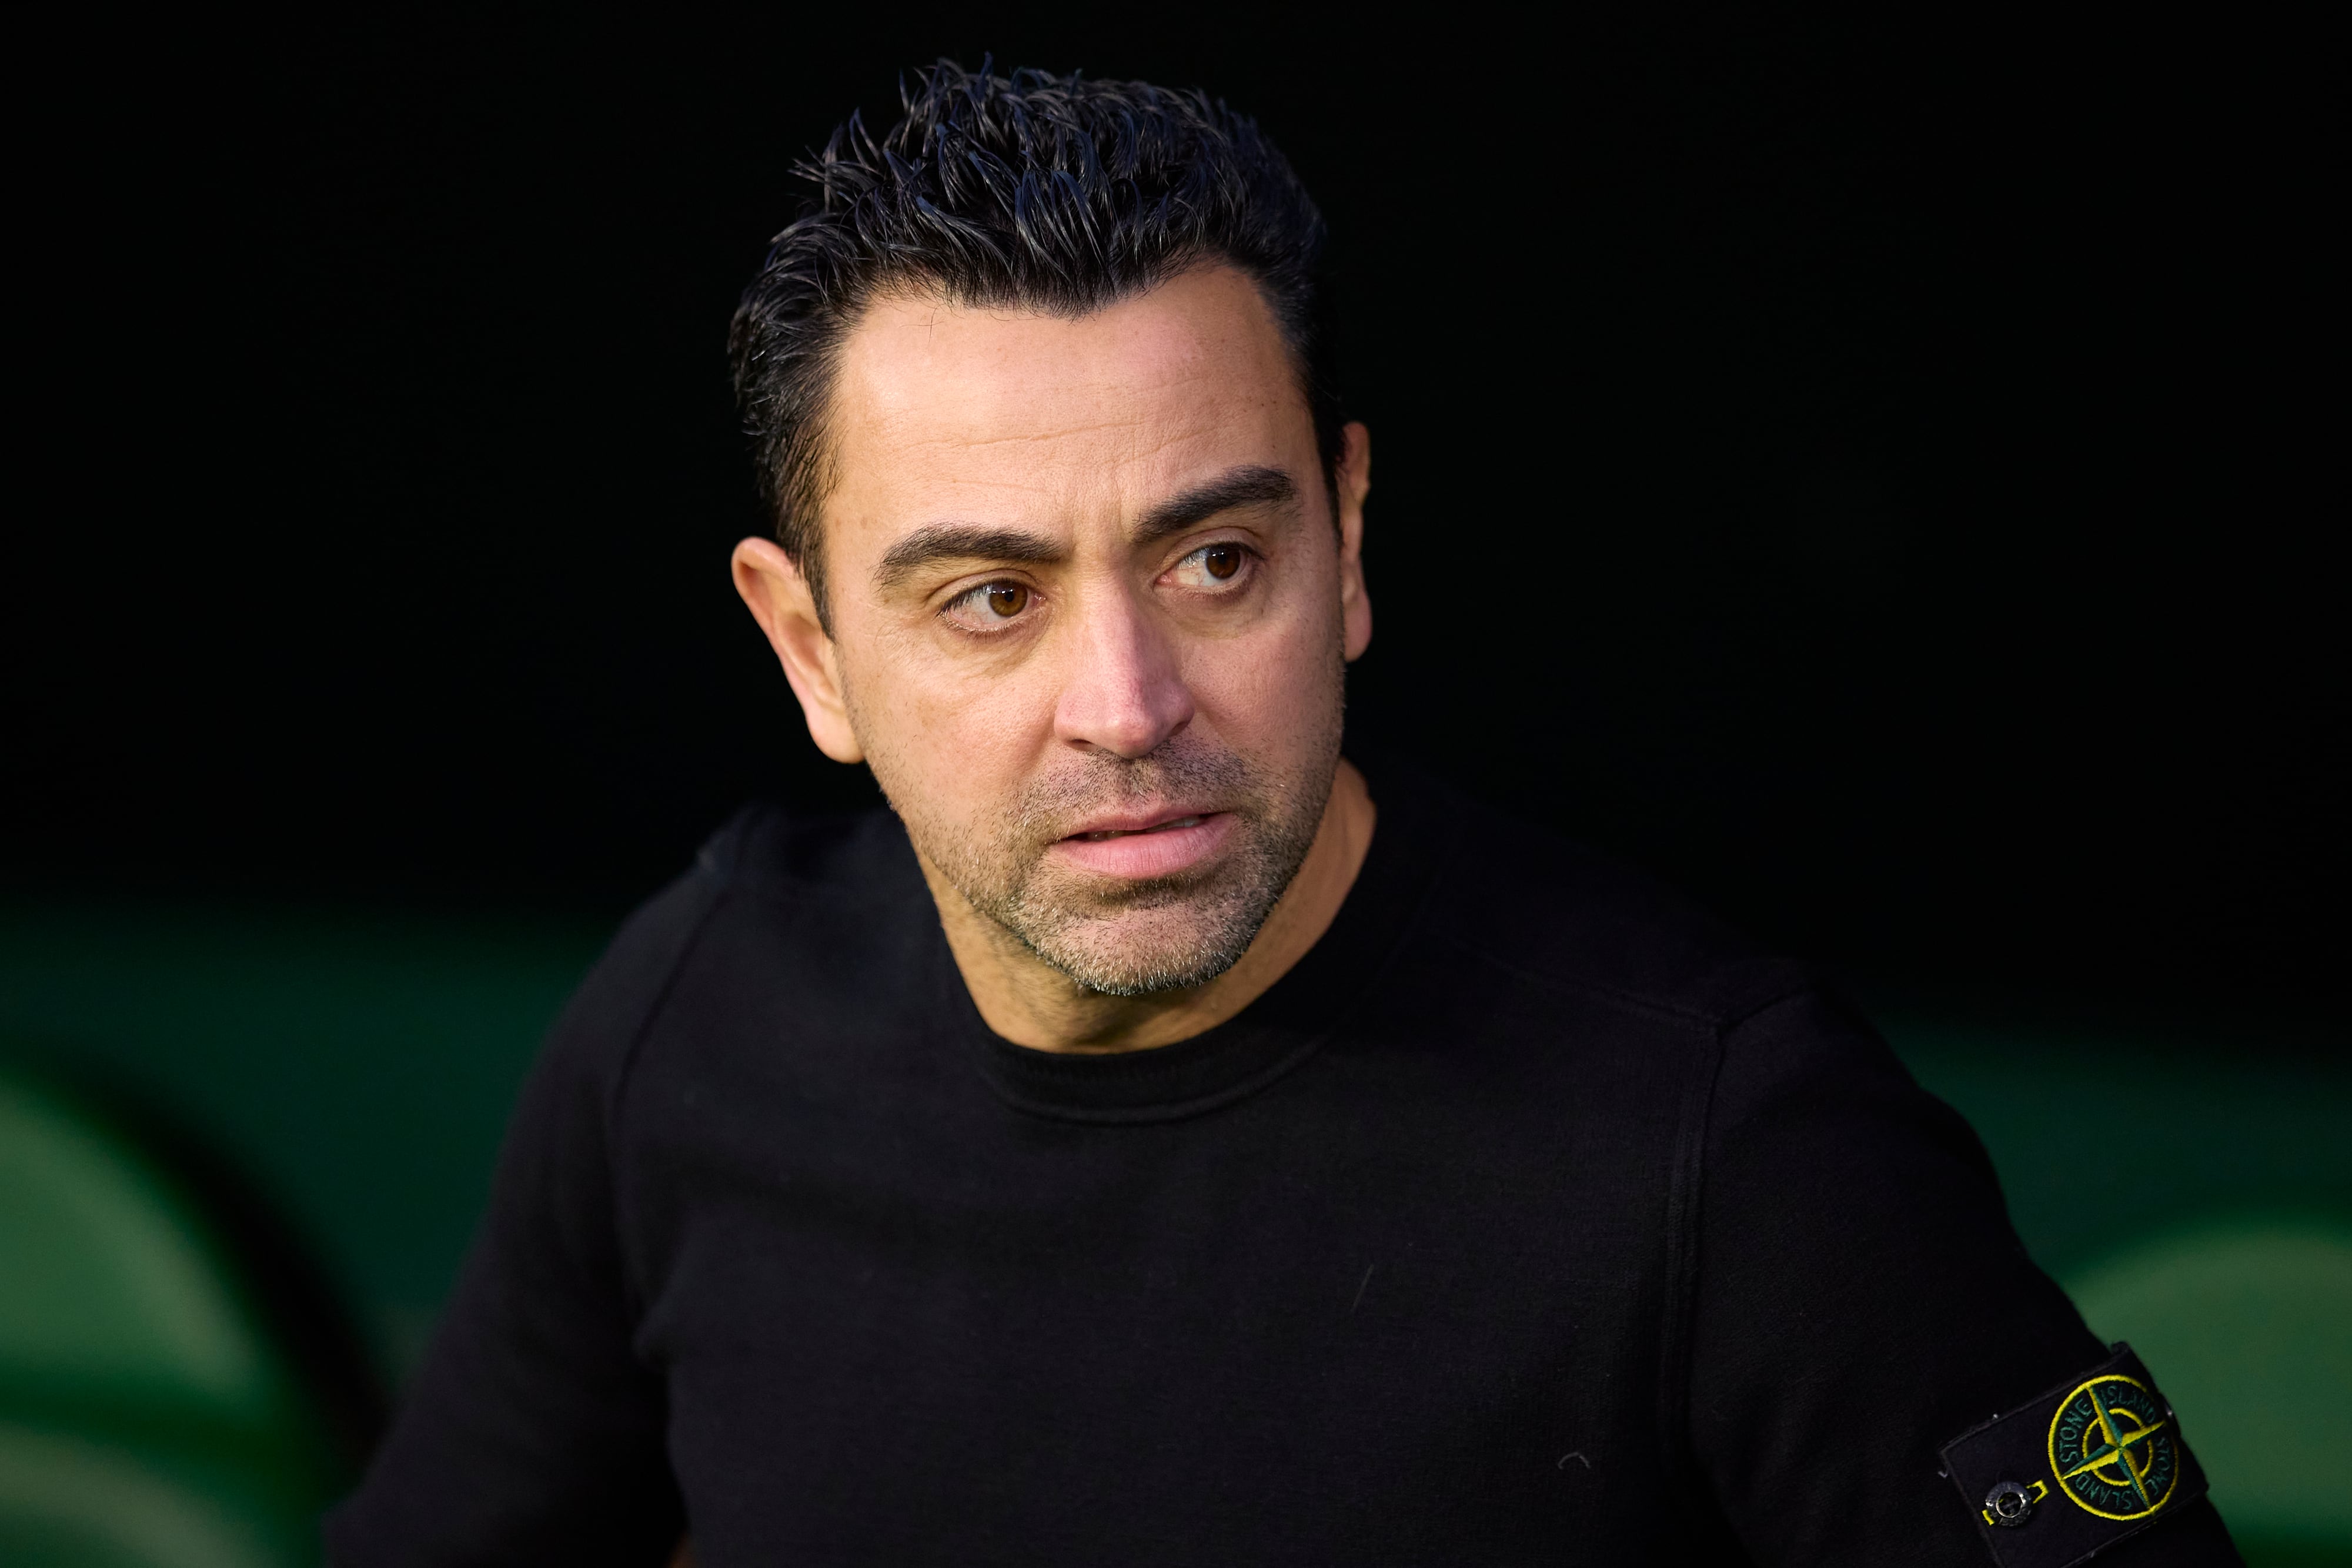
x=2112 y=1448
x=2106 y=1438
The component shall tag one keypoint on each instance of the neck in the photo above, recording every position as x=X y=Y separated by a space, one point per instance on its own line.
x=1031 y=1003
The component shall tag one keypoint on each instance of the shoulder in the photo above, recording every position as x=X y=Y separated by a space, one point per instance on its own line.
x=1522 y=900
x=1769 y=1037
x=764 y=867
x=766 y=851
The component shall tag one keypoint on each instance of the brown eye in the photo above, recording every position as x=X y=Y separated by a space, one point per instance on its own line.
x=1007 y=599
x=1219 y=568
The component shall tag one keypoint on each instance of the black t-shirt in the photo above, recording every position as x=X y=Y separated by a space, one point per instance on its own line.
x=1530 y=1219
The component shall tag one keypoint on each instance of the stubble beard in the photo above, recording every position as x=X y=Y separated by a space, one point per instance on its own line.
x=1118 y=937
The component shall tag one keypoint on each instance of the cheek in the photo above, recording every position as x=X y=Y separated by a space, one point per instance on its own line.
x=1272 y=691
x=961 y=741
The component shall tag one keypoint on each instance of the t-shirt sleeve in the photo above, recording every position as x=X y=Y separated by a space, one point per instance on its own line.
x=1860 y=1301
x=532 y=1432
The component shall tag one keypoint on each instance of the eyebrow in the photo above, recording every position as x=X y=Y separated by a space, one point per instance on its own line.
x=962 y=541
x=1252 y=485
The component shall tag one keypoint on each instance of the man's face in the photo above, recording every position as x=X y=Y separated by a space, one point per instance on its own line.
x=1090 y=612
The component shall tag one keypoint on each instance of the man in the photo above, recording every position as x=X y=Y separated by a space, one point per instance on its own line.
x=1159 y=1141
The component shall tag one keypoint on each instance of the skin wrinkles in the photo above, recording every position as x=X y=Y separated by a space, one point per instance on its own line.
x=1042 y=440
x=1117 y=755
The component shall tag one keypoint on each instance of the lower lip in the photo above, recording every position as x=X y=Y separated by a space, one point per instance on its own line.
x=1163 y=853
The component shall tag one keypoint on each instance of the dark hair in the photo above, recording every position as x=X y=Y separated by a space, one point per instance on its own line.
x=1041 y=191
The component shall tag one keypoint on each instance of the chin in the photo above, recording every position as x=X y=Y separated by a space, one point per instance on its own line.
x=1142 y=952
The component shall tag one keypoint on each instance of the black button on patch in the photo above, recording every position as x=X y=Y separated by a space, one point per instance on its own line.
x=2011 y=1504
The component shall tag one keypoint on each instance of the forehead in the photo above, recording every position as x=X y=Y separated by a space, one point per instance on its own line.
x=939 y=405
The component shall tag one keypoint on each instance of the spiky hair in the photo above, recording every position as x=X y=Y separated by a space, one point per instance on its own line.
x=1032 y=191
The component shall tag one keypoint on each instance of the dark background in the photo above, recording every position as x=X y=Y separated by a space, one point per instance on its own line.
x=1877 y=478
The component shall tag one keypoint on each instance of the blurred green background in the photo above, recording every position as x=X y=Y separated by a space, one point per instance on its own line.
x=361 y=1067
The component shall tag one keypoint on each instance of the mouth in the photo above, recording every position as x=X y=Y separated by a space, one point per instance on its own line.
x=1147 y=845
x=1104 y=835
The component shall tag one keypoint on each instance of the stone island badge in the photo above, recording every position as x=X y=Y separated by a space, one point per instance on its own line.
x=2093 y=1461
x=2111 y=1446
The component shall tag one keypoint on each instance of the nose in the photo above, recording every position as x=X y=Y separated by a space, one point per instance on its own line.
x=1124 y=693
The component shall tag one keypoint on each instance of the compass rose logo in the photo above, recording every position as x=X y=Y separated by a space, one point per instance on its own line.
x=2113 y=1449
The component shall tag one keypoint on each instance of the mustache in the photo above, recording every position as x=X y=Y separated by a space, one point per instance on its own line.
x=1190 y=772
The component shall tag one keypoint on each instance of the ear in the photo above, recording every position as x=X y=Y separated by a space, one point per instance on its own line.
x=779 y=599
x=1355 y=483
